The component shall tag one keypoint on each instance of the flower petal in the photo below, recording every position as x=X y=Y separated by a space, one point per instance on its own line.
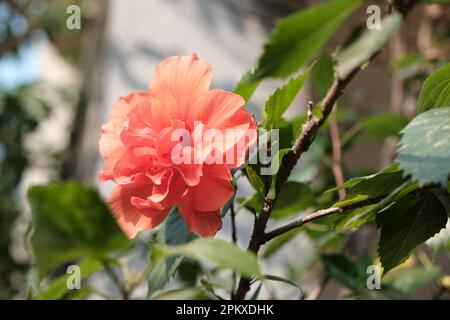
x=190 y=170
x=133 y=162
x=242 y=135
x=170 y=190
x=205 y=224
x=216 y=107
x=110 y=144
x=131 y=219
x=179 y=81
x=211 y=194
x=138 y=130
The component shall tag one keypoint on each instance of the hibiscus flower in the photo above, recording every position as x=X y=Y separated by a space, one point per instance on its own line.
x=156 y=150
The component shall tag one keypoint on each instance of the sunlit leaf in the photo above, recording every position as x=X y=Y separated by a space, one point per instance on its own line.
x=367 y=45
x=282 y=98
x=424 y=151
x=218 y=252
x=247 y=85
x=323 y=74
x=298 y=37
x=435 y=92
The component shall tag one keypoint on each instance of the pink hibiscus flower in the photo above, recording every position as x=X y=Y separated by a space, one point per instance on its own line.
x=156 y=150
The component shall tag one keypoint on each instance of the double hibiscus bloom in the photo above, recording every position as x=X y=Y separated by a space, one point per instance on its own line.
x=142 y=147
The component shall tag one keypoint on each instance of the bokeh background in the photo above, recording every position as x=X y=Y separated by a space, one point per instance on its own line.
x=57 y=85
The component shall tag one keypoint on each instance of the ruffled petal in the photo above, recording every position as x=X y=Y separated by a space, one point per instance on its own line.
x=188 y=167
x=179 y=81
x=244 y=135
x=170 y=190
x=133 y=162
x=131 y=219
x=216 y=107
x=110 y=144
x=212 y=194
x=205 y=224
x=138 y=130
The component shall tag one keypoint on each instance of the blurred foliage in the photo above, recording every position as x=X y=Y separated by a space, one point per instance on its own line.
x=21 y=110
x=71 y=222
x=22 y=19
x=20 y=113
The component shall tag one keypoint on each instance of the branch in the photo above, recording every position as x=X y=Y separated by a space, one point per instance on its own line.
x=316 y=215
x=300 y=222
x=288 y=162
x=291 y=158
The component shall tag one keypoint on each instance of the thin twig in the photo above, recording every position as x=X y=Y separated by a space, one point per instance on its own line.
x=234 y=239
x=337 y=154
x=233 y=223
x=319 y=214
x=298 y=223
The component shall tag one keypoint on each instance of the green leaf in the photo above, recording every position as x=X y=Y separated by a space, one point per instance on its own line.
x=81 y=294
x=219 y=252
x=367 y=45
x=424 y=151
x=255 y=294
x=247 y=85
x=162 y=273
x=274 y=166
x=175 y=231
x=360 y=216
x=298 y=37
x=281 y=99
x=373 y=186
x=70 y=221
x=342 y=270
x=384 y=125
x=58 y=287
x=407 y=224
x=435 y=92
x=323 y=75
x=254 y=179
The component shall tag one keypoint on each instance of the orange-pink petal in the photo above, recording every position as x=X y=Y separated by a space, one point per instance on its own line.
x=205 y=224
x=131 y=219
x=179 y=82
